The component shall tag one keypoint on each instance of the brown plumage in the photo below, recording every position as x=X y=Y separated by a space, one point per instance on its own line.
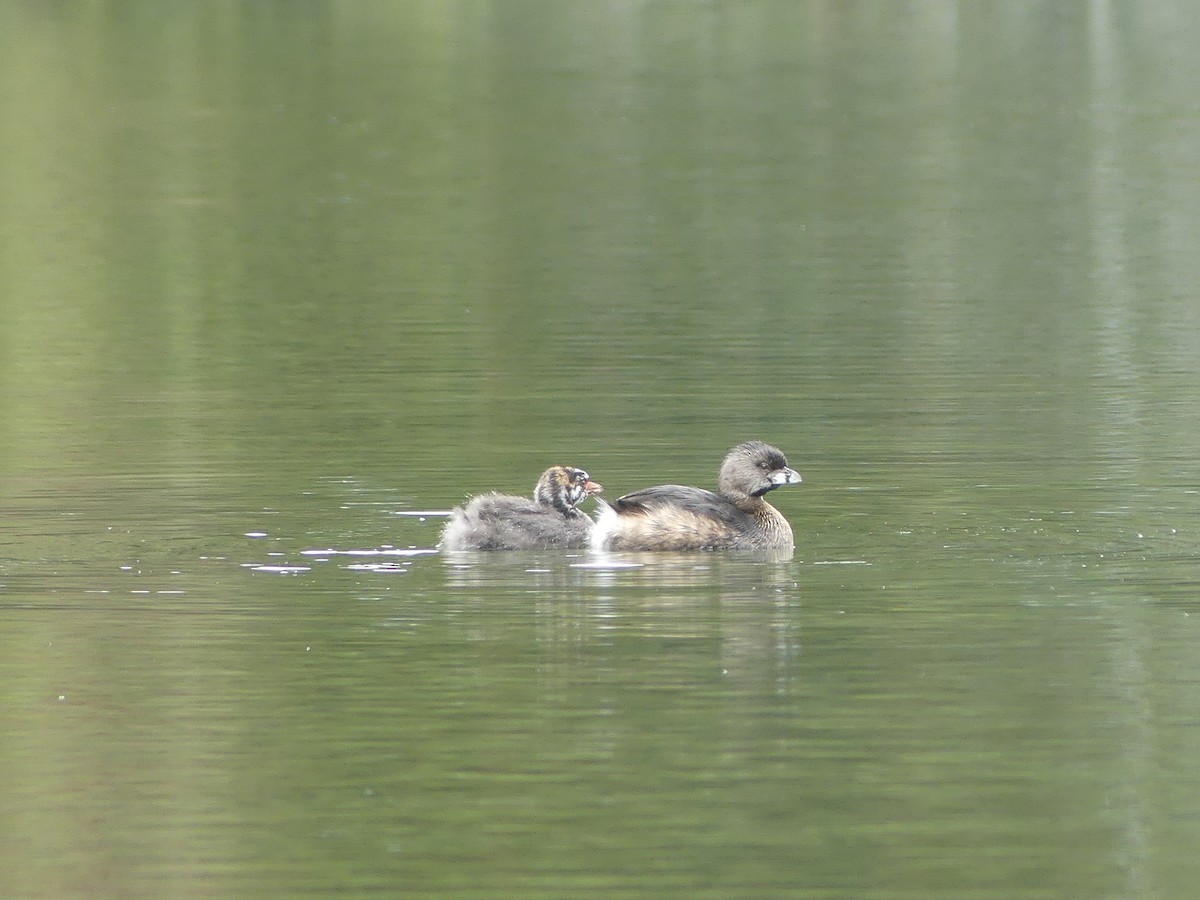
x=550 y=521
x=676 y=517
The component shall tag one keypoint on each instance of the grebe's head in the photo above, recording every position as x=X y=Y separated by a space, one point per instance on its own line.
x=564 y=488
x=753 y=468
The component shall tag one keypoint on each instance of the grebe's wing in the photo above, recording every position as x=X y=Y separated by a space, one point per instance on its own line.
x=697 y=501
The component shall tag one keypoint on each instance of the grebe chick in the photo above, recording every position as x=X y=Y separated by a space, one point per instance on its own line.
x=549 y=521
x=675 y=517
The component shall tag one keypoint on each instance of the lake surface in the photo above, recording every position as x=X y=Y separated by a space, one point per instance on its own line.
x=281 y=283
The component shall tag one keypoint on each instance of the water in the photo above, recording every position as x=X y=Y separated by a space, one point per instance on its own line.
x=286 y=280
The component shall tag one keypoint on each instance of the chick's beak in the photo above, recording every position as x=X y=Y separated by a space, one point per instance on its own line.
x=591 y=487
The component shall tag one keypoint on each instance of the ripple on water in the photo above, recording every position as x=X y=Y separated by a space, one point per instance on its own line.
x=384 y=551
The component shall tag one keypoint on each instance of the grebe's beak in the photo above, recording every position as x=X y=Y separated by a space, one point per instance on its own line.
x=785 y=476
x=591 y=487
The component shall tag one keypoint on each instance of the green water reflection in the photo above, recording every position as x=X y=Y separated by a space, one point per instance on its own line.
x=271 y=274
